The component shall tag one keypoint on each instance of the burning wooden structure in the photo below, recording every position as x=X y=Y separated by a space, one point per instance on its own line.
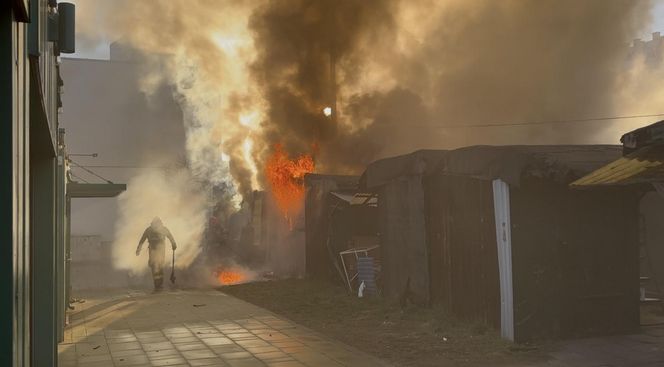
x=338 y=218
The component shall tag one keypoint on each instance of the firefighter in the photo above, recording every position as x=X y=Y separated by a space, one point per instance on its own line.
x=156 y=235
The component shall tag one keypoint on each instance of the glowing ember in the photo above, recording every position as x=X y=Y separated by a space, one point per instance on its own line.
x=229 y=277
x=286 y=177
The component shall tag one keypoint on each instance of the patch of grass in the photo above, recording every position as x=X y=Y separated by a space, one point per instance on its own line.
x=416 y=336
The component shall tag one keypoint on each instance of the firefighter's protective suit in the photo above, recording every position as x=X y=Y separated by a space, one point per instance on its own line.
x=156 y=235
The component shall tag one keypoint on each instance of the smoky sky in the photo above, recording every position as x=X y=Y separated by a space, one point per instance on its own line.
x=478 y=62
x=403 y=75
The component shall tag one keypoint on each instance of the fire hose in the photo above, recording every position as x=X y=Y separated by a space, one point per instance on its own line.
x=173 y=269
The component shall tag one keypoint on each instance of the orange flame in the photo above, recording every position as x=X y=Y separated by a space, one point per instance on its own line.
x=228 y=277
x=286 y=178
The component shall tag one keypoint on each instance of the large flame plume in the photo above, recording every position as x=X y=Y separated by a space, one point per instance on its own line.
x=286 y=177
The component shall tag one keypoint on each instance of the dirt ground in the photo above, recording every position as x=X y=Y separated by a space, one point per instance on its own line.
x=411 y=337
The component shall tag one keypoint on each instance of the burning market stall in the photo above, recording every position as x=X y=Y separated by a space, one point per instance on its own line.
x=338 y=219
x=318 y=205
x=401 y=222
x=512 y=245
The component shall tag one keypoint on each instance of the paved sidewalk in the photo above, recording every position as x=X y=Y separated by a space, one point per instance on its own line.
x=193 y=328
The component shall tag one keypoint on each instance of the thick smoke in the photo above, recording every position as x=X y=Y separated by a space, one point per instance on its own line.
x=414 y=74
x=399 y=75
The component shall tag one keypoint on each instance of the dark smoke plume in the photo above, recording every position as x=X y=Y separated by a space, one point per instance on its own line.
x=443 y=63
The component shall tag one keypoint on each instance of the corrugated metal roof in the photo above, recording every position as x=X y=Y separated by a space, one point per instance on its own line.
x=642 y=166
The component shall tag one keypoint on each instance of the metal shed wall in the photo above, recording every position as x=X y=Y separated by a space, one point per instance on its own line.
x=575 y=261
x=403 y=239
x=463 y=258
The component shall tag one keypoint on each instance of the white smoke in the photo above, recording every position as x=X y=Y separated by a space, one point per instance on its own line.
x=177 y=199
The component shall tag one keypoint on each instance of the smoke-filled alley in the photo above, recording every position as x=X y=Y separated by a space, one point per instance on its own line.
x=333 y=182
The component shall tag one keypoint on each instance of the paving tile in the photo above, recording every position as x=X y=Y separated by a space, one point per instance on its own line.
x=129 y=352
x=97 y=358
x=149 y=334
x=131 y=360
x=175 y=330
x=162 y=353
x=159 y=339
x=183 y=339
x=190 y=346
x=198 y=354
x=271 y=356
x=237 y=338
x=207 y=362
x=124 y=346
x=234 y=355
x=217 y=341
x=267 y=349
x=157 y=346
x=286 y=343
x=248 y=362
x=252 y=343
x=97 y=364
x=297 y=349
x=123 y=339
x=175 y=334
x=286 y=364
x=219 y=349
x=169 y=361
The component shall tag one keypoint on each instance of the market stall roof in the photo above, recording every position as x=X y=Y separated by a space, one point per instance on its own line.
x=384 y=170
x=645 y=165
x=359 y=198
x=560 y=163
x=341 y=182
x=642 y=160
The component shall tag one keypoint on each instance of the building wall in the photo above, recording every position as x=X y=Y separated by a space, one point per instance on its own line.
x=106 y=112
x=31 y=320
x=14 y=189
